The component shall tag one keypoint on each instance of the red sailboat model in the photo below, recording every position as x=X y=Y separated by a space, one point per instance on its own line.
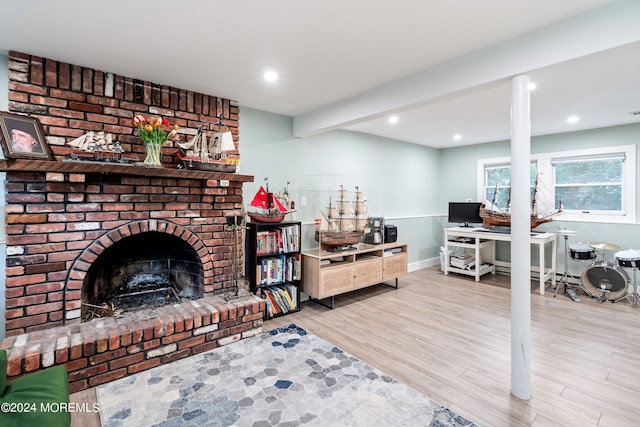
x=271 y=210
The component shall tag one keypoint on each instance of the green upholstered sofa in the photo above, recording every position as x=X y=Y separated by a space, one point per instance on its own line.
x=37 y=399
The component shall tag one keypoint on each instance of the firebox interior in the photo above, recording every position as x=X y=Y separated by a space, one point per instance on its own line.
x=141 y=271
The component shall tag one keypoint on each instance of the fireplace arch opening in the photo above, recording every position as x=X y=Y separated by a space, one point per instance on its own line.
x=141 y=271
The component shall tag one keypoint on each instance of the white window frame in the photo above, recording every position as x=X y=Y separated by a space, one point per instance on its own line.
x=544 y=163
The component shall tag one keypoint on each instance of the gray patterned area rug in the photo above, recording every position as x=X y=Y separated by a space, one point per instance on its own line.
x=285 y=377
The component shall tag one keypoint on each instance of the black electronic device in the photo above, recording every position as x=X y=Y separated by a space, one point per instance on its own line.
x=390 y=233
x=465 y=213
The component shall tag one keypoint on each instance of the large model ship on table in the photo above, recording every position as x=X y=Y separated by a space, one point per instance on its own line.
x=343 y=221
x=211 y=154
x=493 y=216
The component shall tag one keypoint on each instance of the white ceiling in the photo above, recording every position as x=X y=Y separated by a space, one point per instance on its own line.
x=442 y=66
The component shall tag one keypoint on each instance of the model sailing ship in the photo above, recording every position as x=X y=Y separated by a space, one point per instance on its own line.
x=99 y=147
x=270 y=208
x=209 y=154
x=343 y=222
x=493 y=216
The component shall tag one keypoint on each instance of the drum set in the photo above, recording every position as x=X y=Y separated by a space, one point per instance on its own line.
x=602 y=279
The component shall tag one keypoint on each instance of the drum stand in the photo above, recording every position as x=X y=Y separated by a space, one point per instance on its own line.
x=634 y=298
x=564 y=280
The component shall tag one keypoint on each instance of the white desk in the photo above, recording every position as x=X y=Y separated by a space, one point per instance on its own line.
x=483 y=241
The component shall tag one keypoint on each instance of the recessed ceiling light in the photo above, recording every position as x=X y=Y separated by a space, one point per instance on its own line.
x=573 y=119
x=457 y=137
x=393 y=119
x=532 y=86
x=270 y=76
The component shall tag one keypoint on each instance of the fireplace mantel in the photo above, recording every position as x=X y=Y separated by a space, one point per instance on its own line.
x=24 y=165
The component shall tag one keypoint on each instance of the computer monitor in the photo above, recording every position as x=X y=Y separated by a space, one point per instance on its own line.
x=465 y=213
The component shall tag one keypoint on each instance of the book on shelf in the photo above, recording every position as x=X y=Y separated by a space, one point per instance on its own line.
x=279 y=269
x=282 y=239
x=279 y=299
x=463 y=261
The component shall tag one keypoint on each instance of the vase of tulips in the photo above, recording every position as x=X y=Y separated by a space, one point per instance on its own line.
x=154 y=133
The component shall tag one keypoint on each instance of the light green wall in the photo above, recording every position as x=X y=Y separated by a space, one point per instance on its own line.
x=418 y=181
x=409 y=173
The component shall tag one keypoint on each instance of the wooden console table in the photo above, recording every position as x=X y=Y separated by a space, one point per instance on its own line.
x=326 y=274
x=477 y=239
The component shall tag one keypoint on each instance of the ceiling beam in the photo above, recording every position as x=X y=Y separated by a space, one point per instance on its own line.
x=599 y=30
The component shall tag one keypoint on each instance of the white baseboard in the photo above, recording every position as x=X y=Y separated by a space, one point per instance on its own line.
x=425 y=263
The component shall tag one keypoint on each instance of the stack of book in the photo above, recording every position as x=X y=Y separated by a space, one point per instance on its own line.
x=279 y=240
x=279 y=269
x=280 y=299
x=462 y=261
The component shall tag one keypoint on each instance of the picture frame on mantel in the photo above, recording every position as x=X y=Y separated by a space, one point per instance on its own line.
x=23 y=137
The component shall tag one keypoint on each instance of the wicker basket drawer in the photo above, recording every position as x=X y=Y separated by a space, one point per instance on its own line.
x=334 y=281
x=367 y=272
x=395 y=266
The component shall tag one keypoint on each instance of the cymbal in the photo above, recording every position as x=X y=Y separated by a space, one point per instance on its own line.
x=605 y=246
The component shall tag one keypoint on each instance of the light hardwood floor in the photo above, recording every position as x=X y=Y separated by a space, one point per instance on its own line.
x=449 y=338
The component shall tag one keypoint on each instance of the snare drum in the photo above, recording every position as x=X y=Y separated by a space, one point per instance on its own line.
x=581 y=251
x=629 y=258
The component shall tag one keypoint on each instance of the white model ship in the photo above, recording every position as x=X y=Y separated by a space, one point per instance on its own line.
x=208 y=153
x=99 y=147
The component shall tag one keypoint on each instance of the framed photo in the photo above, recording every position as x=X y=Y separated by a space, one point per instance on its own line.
x=22 y=137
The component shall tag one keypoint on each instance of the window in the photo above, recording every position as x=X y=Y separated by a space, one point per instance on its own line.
x=592 y=184
x=497 y=183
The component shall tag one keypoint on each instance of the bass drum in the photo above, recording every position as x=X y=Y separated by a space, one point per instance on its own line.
x=605 y=276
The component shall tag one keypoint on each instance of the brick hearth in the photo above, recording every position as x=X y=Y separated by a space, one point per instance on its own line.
x=103 y=350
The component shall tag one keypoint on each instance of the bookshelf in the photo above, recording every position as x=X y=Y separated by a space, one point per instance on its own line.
x=274 y=265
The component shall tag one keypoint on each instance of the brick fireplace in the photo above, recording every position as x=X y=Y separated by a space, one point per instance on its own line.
x=63 y=219
x=68 y=222
x=59 y=223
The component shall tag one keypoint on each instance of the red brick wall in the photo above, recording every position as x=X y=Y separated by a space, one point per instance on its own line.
x=57 y=223
x=71 y=100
